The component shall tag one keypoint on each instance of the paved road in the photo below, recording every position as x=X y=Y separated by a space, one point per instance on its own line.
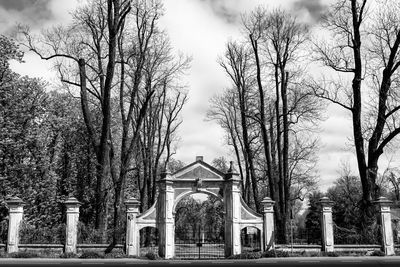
x=275 y=262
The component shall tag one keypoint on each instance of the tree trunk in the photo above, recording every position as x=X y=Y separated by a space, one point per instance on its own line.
x=264 y=133
x=285 y=145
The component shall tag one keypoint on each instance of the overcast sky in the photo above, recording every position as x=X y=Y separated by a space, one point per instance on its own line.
x=199 y=28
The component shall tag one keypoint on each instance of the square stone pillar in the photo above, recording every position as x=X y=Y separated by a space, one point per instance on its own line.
x=232 y=212
x=165 y=218
x=386 y=225
x=16 y=212
x=132 y=233
x=269 y=224
x=71 y=231
x=327 y=239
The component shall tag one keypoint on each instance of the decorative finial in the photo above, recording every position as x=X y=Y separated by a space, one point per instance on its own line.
x=231 y=167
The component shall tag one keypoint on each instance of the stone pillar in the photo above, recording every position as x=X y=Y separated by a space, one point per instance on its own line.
x=132 y=233
x=16 y=212
x=232 y=212
x=269 y=224
x=165 y=218
x=71 y=233
x=386 y=225
x=327 y=240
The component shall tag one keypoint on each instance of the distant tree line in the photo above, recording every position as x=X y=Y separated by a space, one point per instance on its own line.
x=346 y=194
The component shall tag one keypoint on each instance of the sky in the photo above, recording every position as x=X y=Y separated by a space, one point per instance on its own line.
x=200 y=29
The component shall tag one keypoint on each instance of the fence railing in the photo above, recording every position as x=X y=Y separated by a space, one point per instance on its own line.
x=3 y=231
x=345 y=236
x=306 y=237
x=89 y=235
x=30 y=234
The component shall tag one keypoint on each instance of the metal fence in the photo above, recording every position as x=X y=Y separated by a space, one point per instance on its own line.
x=306 y=237
x=31 y=234
x=199 y=245
x=345 y=236
x=149 y=238
x=87 y=234
x=250 y=239
x=3 y=231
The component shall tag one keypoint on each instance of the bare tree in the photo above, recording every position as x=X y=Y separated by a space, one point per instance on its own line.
x=85 y=43
x=274 y=111
x=237 y=66
x=129 y=70
x=364 y=49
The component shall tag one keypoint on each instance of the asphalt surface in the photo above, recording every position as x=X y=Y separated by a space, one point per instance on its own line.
x=300 y=261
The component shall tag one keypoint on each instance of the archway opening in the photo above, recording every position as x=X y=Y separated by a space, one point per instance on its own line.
x=148 y=240
x=250 y=238
x=199 y=227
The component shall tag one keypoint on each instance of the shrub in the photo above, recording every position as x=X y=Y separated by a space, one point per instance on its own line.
x=23 y=254
x=275 y=254
x=330 y=254
x=91 y=255
x=378 y=253
x=115 y=255
x=151 y=255
x=246 y=255
x=67 y=255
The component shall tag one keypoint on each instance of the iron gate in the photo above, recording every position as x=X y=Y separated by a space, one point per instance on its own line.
x=199 y=244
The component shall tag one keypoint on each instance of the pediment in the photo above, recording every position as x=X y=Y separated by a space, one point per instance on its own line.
x=199 y=169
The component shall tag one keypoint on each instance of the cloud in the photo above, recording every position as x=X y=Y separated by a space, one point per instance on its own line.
x=314 y=8
x=20 y=5
x=33 y=13
x=225 y=9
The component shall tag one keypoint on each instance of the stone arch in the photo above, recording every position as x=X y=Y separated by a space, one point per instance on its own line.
x=242 y=226
x=191 y=192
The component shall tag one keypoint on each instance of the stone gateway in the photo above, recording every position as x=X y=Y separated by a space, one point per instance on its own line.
x=198 y=177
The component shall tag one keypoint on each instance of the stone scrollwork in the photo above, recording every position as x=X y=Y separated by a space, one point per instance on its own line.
x=199 y=184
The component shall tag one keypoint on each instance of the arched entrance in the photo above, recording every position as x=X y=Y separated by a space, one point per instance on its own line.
x=250 y=239
x=199 y=227
x=200 y=177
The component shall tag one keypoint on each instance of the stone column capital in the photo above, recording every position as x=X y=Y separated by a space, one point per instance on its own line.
x=166 y=173
x=383 y=203
x=232 y=174
x=268 y=204
x=326 y=204
x=132 y=205
x=72 y=204
x=15 y=204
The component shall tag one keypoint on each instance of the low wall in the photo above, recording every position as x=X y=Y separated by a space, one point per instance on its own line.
x=337 y=247
x=298 y=248
x=97 y=247
x=356 y=248
x=42 y=248
x=59 y=248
